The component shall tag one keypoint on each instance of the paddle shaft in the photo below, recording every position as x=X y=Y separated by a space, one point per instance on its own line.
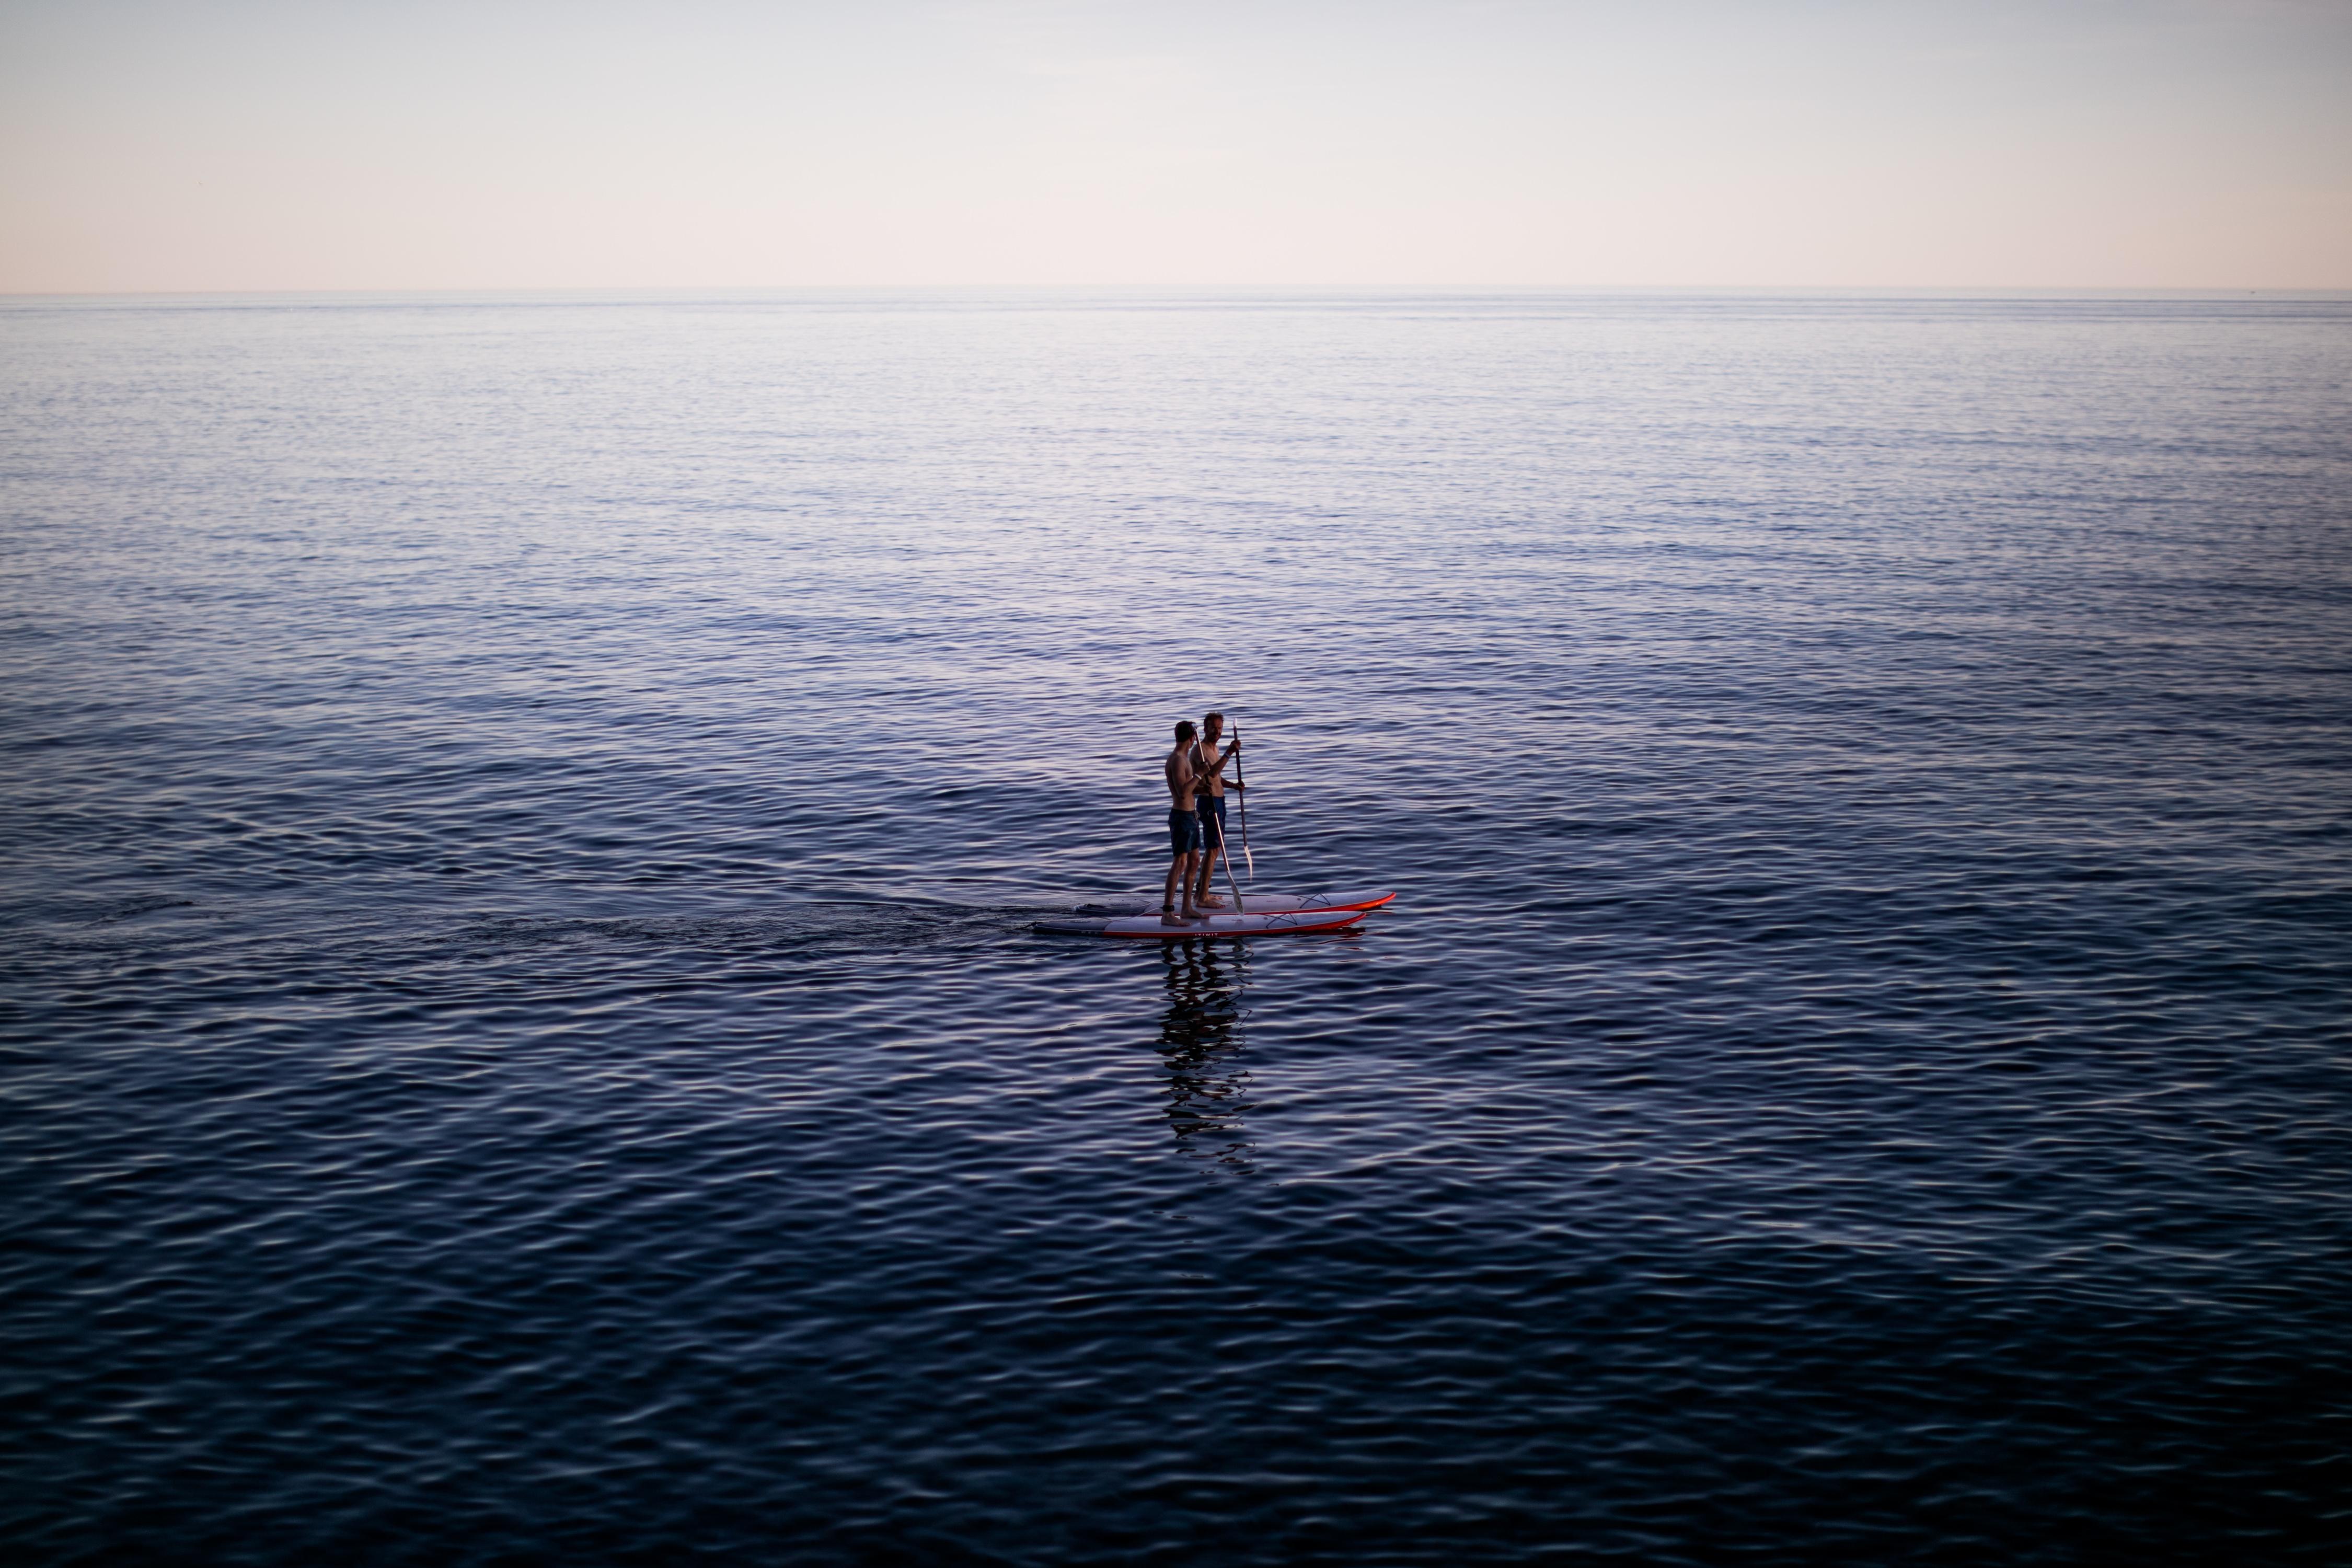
x=1241 y=792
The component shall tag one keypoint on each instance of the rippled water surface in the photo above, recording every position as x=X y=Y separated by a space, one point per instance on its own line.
x=524 y=1042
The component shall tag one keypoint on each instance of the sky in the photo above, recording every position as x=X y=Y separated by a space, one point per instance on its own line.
x=327 y=144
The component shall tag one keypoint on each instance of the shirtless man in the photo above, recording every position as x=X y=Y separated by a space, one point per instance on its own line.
x=1209 y=774
x=1183 y=827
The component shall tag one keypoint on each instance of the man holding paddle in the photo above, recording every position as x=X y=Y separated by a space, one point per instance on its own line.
x=1209 y=800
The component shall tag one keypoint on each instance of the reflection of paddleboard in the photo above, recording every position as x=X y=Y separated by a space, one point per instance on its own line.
x=1150 y=926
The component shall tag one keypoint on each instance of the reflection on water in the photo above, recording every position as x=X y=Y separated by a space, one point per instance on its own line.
x=1200 y=1039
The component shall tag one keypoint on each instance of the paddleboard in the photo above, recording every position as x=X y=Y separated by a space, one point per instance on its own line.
x=1150 y=928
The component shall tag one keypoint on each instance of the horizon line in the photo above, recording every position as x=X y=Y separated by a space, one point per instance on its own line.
x=1930 y=290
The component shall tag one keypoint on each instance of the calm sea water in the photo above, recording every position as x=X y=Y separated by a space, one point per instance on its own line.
x=524 y=1042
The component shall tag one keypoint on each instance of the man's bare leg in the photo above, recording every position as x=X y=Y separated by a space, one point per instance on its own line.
x=1208 y=878
x=1180 y=877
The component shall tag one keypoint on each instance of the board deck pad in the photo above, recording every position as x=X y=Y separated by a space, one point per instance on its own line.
x=1150 y=926
x=1283 y=903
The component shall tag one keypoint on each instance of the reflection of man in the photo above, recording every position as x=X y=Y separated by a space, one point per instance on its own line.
x=1183 y=828
x=1207 y=1091
x=1208 y=772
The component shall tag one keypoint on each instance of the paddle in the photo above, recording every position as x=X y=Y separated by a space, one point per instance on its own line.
x=1242 y=793
x=1224 y=850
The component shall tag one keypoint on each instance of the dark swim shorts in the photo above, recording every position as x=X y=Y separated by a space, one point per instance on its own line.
x=1183 y=831
x=1212 y=809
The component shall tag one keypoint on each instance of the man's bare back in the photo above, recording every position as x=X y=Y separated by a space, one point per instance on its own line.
x=1181 y=778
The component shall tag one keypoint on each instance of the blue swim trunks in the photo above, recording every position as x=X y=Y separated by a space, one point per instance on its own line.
x=1211 y=809
x=1183 y=831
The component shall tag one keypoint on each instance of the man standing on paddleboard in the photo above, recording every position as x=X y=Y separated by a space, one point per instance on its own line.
x=1183 y=827
x=1209 y=778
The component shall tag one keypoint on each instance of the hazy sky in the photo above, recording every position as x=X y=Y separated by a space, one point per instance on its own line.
x=353 y=144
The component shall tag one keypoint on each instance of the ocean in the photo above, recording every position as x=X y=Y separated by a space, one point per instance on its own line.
x=522 y=1040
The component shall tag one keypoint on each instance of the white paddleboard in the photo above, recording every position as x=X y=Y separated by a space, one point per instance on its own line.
x=1150 y=926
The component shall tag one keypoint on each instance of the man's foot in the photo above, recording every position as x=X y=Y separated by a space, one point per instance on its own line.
x=1209 y=901
x=1168 y=916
